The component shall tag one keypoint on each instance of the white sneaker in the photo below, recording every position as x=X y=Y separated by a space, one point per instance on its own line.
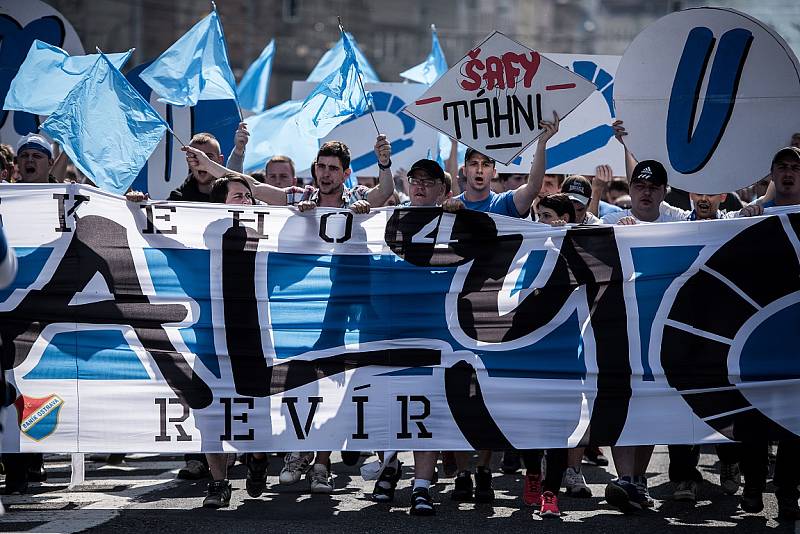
x=295 y=465
x=575 y=483
x=320 y=479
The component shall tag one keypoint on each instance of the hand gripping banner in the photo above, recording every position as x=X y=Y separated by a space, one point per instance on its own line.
x=180 y=327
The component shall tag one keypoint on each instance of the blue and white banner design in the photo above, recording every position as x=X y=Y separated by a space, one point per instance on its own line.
x=177 y=327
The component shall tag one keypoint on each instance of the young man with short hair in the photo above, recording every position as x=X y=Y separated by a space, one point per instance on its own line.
x=34 y=159
x=477 y=196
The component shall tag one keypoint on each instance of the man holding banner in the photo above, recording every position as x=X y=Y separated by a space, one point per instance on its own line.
x=480 y=169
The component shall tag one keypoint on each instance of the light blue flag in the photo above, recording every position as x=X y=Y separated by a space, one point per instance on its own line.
x=444 y=146
x=432 y=68
x=106 y=128
x=331 y=60
x=194 y=68
x=275 y=131
x=338 y=97
x=254 y=86
x=48 y=74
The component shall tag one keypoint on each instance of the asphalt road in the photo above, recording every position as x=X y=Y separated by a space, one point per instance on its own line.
x=142 y=495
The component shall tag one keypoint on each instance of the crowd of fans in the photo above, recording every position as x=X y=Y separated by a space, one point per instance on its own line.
x=642 y=195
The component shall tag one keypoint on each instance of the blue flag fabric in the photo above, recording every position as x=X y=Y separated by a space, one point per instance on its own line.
x=194 y=68
x=254 y=87
x=48 y=74
x=338 y=97
x=432 y=68
x=275 y=131
x=106 y=128
x=331 y=60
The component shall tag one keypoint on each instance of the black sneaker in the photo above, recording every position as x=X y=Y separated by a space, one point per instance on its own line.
x=511 y=462
x=193 y=470
x=462 y=491
x=386 y=483
x=623 y=495
x=421 y=502
x=256 y=475
x=752 y=500
x=15 y=485
x=219 y=494
x=483 y=485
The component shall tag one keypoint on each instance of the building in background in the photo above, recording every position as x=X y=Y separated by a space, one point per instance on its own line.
x=393 y=34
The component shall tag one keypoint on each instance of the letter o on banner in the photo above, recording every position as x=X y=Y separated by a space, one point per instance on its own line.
x=711 y=94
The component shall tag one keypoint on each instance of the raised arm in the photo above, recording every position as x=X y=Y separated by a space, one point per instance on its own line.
x=236 y=159
x=196 y=159
x=524 y=195
x=630 y=161
x=602 y=175
x=379 y=194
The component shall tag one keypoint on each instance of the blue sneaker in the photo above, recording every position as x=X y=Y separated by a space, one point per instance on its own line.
x=623 y=495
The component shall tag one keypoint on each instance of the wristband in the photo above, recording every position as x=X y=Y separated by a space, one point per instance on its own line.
x=385 y=167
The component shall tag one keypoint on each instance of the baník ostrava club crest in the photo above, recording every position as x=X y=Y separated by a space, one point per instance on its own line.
x=38 y=416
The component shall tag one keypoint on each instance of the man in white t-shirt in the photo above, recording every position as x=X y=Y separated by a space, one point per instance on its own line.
x=648 y=188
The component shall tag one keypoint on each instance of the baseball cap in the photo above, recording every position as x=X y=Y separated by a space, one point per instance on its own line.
x=651 y=171
x=429 y=167
x=787 y=151
x=577 y=188
x=34 y=141
x=471 y=151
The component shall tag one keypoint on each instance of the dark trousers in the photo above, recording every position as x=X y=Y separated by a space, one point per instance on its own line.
x=728 y=453
x=754 y=464
x=683 y=460
x=556 y=465
x=17 y=465
x=200 y=457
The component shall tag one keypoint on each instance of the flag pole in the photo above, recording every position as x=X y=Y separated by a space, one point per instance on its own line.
x=360 y=82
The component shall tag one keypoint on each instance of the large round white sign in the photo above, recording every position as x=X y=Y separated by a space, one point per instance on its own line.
x=711 y=93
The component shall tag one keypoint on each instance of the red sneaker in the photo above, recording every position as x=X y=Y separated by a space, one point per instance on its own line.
x=549 y=505
x=532 y=491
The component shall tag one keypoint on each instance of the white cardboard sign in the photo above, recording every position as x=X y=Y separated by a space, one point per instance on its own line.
x=585 y=139
x=712 y=94
x=493 y=99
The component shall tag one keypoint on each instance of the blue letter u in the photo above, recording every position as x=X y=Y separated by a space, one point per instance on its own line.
x=689 y=151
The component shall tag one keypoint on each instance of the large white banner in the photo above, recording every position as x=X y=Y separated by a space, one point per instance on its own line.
x=178 y=327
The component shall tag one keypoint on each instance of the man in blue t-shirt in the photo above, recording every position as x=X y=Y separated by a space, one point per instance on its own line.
x=479 y=170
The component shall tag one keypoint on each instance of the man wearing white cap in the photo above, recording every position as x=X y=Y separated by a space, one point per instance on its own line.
x=34 y=159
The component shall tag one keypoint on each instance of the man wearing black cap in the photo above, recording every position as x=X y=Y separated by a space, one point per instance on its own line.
x=579 y=190
x=785 y=172
x=648 y=189
x=427 y=184
x=428 y=187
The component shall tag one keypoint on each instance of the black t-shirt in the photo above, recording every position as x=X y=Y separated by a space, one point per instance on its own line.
x=189 y=192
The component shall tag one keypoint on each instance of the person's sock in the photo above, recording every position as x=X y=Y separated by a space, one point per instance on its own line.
x=421 y=483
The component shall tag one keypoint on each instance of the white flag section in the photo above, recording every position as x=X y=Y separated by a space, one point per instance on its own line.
x=493 y=99
x=180 y=327
x=706 y=92
x=585 y=138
